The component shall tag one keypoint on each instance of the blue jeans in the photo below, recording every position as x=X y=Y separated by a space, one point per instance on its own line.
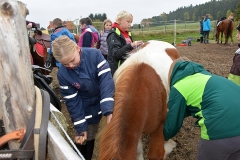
x=206 y=36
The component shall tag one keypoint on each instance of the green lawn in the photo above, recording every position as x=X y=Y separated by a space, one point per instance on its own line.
x=166 y=32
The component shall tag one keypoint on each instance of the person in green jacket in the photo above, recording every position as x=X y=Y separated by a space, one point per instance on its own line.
x=213 y=100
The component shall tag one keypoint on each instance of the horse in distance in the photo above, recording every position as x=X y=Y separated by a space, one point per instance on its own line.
x=225 y=27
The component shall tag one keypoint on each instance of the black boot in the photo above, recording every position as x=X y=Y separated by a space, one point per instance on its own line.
x=89 y=149
x=201 y=39
x=82 y=149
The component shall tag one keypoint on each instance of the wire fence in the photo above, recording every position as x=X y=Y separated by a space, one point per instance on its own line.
x=169 y=26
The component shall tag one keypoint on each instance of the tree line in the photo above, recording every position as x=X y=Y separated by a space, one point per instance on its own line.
x=98 y=17
x=216 y=9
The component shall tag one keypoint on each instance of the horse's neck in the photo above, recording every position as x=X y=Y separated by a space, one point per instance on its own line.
x=161 y=65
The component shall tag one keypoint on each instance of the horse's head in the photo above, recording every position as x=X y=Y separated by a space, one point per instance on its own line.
x=231 y=16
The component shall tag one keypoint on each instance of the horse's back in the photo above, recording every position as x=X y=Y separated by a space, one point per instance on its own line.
x=158 y=54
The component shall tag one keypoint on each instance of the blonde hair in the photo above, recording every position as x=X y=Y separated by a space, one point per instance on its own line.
x=123 y=14
x=63 y=46
x=106 y=21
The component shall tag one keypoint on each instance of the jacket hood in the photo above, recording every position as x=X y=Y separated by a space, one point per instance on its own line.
x=183 y=69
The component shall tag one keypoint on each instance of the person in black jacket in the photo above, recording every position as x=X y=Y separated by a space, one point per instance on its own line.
x=120 y=41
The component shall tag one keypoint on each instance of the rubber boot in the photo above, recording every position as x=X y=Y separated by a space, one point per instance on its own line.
x=89 y=149
x=82 y=149
x=201 y=39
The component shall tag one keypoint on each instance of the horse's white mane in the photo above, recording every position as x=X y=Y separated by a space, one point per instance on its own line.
x=153 y=54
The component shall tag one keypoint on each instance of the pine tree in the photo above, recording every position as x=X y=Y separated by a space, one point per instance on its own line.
x=237 y=12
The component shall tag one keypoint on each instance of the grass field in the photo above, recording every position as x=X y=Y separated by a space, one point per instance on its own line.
x=167 y=32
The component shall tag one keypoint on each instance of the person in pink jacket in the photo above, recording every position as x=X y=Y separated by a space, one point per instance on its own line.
x=89 y=36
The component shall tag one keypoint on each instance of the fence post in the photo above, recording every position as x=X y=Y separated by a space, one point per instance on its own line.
x=17 y=94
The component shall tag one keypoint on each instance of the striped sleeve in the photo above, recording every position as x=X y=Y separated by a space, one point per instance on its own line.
x=106 y=85
x=74 y=104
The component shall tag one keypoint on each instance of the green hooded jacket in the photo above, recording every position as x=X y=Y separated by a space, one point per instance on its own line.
x=212 y=99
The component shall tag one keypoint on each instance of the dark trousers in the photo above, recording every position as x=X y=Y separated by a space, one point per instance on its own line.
x=206 y=36
x=201 y=39
x=220 y=149
x=87 y=149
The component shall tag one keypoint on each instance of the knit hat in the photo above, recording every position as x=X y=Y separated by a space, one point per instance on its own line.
x=238 y=27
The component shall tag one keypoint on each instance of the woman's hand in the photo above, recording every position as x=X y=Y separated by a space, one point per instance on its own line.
x=29 y=26
x=109 y=117
x=136 y=43
x=81 y=138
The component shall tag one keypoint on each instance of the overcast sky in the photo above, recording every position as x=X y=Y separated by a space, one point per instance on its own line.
x=44 y=11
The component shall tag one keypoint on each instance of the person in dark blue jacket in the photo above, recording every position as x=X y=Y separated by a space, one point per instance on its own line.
x=58 y=31
x=87 y=87
x=201 y=29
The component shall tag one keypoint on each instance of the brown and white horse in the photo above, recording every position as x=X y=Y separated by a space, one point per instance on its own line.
x=140 y=104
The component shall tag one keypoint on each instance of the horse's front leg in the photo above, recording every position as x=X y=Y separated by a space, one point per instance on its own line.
x=226 y=39
x=221 y=37
x=156 y=146
x=130 y=145
x=140 y=150
x=217 y=37
x=169 y=146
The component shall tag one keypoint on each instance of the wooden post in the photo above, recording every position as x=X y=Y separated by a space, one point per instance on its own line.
x=17 y=94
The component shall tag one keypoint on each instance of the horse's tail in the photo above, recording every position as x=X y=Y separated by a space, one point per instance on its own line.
x=112 y=142
x=112 y=135
x=229 y=29
x=218 y=29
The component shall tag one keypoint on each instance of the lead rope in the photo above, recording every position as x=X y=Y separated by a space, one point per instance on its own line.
x=38 y=115
x=69 y=139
